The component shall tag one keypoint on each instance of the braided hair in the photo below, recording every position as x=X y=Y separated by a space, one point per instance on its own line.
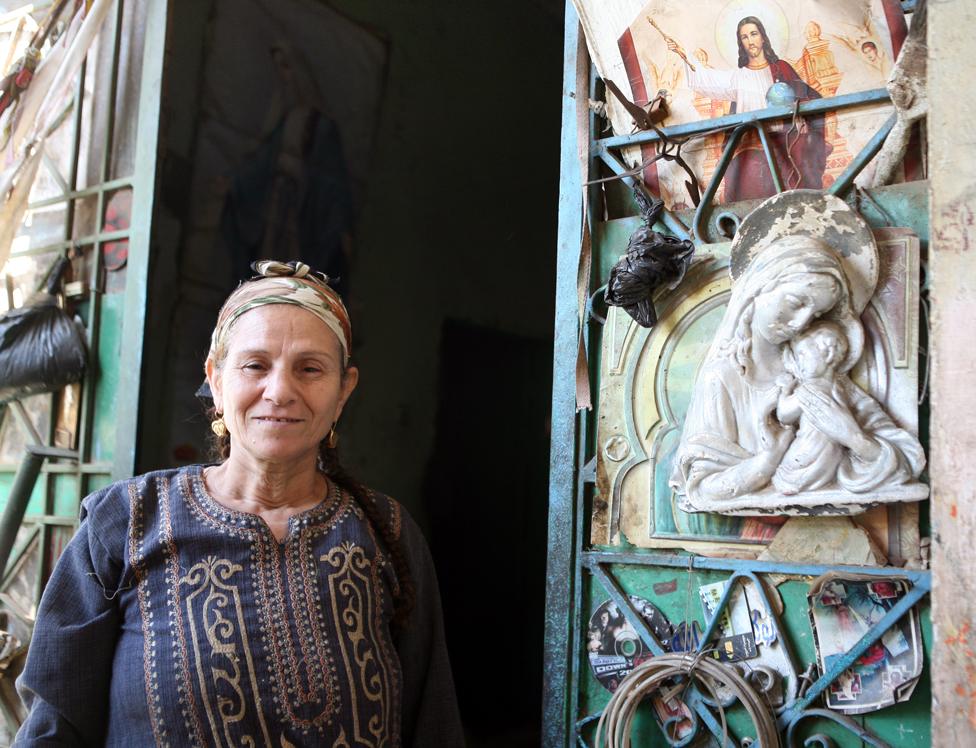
x=404 y=592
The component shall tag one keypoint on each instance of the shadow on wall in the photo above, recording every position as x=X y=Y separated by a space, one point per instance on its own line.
x=486 y=496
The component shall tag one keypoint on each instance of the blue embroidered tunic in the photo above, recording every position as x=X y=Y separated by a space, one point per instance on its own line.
x=171 y=620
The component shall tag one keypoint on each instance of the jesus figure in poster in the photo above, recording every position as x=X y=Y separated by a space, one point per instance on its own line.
x=713 y=58
x=801 y=154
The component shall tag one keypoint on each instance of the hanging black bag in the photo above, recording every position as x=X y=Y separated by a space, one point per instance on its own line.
x=41 y=348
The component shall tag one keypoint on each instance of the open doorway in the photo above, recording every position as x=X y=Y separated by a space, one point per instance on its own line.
x=486 y=496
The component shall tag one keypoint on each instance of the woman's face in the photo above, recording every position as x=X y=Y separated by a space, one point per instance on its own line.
x=280 y=387
x=789 y=307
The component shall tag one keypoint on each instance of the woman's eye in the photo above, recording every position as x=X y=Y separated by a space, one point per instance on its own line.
x=252 y=366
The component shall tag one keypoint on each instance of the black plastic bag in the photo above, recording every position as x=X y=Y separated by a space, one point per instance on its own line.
x=652 y=260
x=41 y=348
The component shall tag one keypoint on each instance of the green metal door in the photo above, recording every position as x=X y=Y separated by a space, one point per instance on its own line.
x=582 y=574
x=93 y=197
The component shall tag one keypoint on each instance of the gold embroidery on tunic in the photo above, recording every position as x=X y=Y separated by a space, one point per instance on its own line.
x=396 y=517
x=278 y=597
x=136 y=530
x=387 y=653
x=210 y=579
x=180 y=655
x=354 y=609
x=341 y=741
x=290 y=597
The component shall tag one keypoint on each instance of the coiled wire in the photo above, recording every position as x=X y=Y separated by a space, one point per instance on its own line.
x=643 y=680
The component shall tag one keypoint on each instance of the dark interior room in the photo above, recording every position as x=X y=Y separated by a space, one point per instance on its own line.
x=448 y=114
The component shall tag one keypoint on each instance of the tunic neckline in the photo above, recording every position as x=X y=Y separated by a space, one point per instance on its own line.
x=237 y=518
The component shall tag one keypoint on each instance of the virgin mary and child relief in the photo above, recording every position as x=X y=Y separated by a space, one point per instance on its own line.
x=776 y=425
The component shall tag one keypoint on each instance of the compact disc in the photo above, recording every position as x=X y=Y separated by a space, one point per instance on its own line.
x=613 y=645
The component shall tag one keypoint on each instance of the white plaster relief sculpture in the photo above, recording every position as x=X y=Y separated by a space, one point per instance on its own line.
x=776 y=425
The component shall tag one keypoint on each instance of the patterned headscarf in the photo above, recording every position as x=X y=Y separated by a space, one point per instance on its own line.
x=285 y=283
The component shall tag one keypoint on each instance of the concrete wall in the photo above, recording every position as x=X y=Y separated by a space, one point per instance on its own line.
x=952 y=184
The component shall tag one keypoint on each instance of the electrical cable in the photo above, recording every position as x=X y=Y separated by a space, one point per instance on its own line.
x=618 y=715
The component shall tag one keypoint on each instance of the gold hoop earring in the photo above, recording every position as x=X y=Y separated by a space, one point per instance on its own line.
x=219 y=427
x=332 y=439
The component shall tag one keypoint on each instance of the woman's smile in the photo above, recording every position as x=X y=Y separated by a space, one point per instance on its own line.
x=281 y=386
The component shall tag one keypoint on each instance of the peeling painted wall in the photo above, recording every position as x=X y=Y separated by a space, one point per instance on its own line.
x=952 y=263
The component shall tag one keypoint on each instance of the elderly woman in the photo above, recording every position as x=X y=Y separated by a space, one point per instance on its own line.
x=268 y=600
x=732 y=443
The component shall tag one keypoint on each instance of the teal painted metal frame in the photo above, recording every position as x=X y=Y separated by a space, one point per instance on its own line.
x=142 y=182
x=145 y=184
x=571 y=476
x=770 y=114
x=598 y=563
x=563 y=573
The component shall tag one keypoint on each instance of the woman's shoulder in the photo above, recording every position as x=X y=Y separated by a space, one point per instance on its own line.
x=402 y=524
x=106 y=514
x=392 y=512
x=112 y=505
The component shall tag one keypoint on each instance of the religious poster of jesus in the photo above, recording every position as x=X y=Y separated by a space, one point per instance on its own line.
x=713 y=58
